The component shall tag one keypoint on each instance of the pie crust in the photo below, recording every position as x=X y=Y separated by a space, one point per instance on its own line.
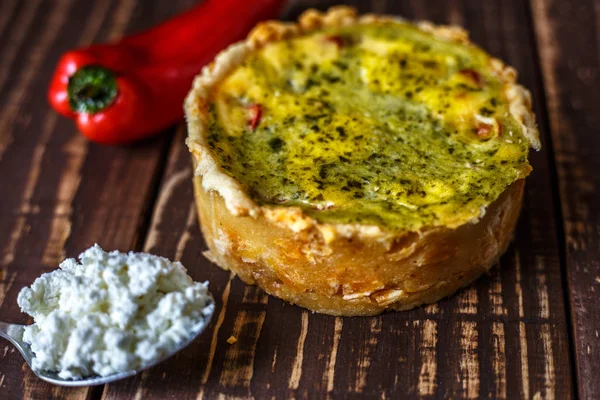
x=341 y=269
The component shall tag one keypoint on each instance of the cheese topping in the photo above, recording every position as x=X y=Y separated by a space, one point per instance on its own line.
x=378 y=123
x=112 y=312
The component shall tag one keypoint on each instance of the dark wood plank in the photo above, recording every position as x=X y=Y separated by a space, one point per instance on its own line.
x=568 y=40
x=8 y=9
x=504 y=337
x=174 y=234
x=62 y=194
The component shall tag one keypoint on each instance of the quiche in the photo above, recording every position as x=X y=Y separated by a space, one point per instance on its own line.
x=355 y=164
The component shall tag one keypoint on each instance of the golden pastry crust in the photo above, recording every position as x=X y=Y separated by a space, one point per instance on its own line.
x=341 y=269
x=349 y=273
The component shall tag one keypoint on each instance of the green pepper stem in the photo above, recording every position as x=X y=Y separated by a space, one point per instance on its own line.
x=91 y=89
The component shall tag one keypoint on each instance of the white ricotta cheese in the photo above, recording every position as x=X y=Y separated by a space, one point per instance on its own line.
x=112 y=312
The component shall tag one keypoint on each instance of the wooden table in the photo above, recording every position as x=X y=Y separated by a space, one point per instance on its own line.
x=528 y=330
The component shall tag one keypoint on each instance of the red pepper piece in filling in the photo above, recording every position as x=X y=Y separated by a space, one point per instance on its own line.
x=483 y=131
x=134 y=88
x=473 y=76
x=255 y=112
x=338 y=40
x=487 y=130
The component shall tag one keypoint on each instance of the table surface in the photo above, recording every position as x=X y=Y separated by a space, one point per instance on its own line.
x=529 y=329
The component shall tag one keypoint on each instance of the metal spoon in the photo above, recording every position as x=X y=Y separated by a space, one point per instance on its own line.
x=14 y=334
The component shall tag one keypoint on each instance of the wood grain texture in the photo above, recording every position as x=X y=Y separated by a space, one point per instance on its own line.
x=568 y=36
x=505 y=337
x=501 y=338
x=61 y=194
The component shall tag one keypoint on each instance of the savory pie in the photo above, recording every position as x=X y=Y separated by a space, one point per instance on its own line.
x=353 y=164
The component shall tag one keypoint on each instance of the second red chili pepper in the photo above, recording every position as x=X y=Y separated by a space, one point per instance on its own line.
x=134 y=88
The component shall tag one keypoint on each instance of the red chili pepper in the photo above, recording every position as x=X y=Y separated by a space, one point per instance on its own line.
x=134 y=88
x=255 y=111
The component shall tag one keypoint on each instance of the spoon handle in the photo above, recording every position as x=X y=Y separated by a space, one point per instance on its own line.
x=14 y=334
x=4 y=329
